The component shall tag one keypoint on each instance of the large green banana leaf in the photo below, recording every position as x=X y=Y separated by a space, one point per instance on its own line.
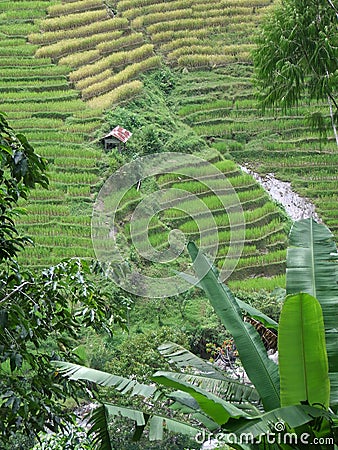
x=188 y=405
x=303 y=366
x=208 y=376
x=124 y=385
x=216 y=408
x=262 y=372
x=294 y=416
x=312 y=268
x=234 y=423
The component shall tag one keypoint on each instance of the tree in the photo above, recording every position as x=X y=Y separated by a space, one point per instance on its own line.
x=293 y=399
x=41 y=319
x=20 y=170
x=297 y=57
x=41 y=315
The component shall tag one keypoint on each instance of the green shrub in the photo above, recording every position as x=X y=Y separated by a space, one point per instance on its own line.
x=184 y=141
x=141 y=347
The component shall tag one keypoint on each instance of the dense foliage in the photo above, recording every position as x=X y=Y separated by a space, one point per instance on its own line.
x=295 y=393
x=41 y=315
x=20 y=169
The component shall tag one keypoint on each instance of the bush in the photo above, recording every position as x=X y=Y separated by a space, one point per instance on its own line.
x=141 y=348
x=18 y=442
x=184 y=141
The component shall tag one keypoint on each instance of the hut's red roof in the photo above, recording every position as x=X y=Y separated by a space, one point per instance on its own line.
x=120 y=133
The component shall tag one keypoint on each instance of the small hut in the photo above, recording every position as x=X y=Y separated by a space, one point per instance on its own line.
x=115 y=138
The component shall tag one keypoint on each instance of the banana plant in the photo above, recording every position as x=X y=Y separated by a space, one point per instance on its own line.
x=286 y=401
x=312 y=268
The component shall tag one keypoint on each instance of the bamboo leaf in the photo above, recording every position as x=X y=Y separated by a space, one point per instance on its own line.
x=262 y=372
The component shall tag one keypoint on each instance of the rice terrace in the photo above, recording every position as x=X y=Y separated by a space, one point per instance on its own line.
x=219 y=90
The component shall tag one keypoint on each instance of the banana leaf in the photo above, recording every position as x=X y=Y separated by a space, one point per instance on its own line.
x=312 y=268
x=250 y=311
x=294 y=416
x=303 y=365
x=182 y=358
x=207 y=375
x=229 y=389
x=262 y=372
x=99 y=428
x=101 y=417
x=214 y=407
x=123 y=385
x=188 y=405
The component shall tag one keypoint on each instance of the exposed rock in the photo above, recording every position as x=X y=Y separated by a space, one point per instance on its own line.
x=296 y=207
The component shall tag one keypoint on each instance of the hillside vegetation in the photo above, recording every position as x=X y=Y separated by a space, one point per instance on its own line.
x=64 y=63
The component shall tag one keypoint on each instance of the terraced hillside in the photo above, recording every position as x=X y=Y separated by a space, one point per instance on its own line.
x=63 y=63
x=104 y=52
x=39 y=101
x=221 y=107
x=109 y=47
x=265 y=227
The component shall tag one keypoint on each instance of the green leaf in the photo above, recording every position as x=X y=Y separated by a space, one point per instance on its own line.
x=256 y=314
x=262 y=372
x=311 y=268
x=121 y=384
x=303 y=365
x=249 y=310
x=182 y=358
x=99 y=428
x=188 y=405
x=294 y=416
x=216 y=408
x=207 y=375
x=100 y=419
x=156 y=428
